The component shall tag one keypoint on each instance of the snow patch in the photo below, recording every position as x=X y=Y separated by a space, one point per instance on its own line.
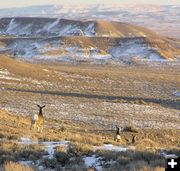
x=48 y=145
x=4 y=72
x=25 y=163
x=11 y=26
x=93 y=161
x=48 y=27
x=176 y=93
x=53 y=24
x=45 y=70
x=6 y=75
x=135 y=48
x=155 y=57
x=110 y=147
x=90 y=30
x=25 y=139
x=165 y=155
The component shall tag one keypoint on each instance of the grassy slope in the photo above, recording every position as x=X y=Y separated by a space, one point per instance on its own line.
x=147 y=144
x=96 y=91
x=36 y=71
x=15 y=127
x=85 y=134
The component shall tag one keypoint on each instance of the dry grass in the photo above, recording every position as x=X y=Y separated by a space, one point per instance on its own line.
x=87 y=138
x=93 y=95
x=147 y=144
x=60 y=149
x=144 y=157
x=9 y=146
x=11 y=151
x=11 y=166
x=14 y=127
x=79 y=149
x=132 y=160
x=150 y=169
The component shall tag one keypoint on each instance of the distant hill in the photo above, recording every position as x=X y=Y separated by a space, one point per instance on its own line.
x=66 y=40
x=160 y=18
x=38 y=26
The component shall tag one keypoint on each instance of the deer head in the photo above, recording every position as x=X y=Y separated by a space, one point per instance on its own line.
x=40 y=109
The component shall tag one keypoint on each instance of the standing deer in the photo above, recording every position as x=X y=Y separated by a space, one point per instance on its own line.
x=37 y=120
x=117 y=136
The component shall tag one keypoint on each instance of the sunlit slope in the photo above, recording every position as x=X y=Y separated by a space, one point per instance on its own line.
x=67 y=40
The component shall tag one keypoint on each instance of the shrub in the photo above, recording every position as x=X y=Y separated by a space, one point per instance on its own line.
x=50 y=163
x=147 y=168
x=62 y=157
x=8 y=146
x=79 y=149
x=130 y=128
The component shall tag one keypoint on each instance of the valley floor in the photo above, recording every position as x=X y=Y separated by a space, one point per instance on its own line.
x=83 y=105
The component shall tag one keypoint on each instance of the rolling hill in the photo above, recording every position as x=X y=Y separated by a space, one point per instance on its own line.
x=38 y=26
x=72 y=40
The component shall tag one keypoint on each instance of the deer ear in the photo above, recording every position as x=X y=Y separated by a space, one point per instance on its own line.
x=44 y=106
x=38 y=105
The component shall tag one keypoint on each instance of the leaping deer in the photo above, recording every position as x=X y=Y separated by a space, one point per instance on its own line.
x=37 y=120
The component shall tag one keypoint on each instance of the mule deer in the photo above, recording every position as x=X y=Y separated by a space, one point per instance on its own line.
x=37 y=120
x=117 y=136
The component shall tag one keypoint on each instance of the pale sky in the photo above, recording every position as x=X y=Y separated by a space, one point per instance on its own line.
x=20 y=3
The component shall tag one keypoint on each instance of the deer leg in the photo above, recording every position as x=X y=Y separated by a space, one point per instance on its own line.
x=115 y=138
x=32 y=126
x=42 y=128
x=37 y=126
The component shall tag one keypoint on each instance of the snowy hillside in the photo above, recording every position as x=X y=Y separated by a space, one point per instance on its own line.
x=48 y=27
x=61 y=50
x=44 y=27
x=75 y=40
x=155 y=17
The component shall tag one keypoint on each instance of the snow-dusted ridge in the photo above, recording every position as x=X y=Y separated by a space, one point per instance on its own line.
x=57 y=49
x=161 y=16
x=55 y=39
x=24 y=26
